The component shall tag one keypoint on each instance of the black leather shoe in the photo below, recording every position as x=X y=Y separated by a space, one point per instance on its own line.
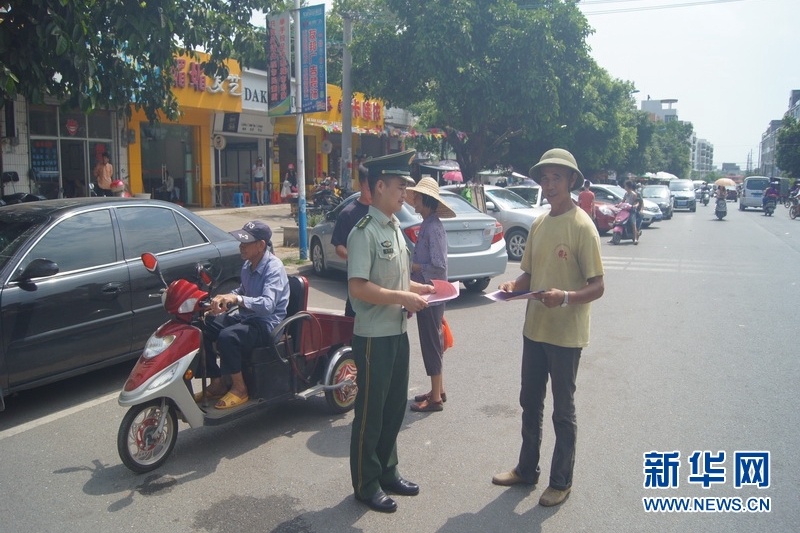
x=379 y=502
x=403 y=487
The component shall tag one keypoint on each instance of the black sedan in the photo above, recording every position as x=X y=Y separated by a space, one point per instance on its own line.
x=74 y=295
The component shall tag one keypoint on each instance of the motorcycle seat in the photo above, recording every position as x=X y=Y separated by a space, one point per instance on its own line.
x=292 y=325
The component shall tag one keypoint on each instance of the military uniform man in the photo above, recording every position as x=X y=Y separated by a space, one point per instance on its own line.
x=382 y=294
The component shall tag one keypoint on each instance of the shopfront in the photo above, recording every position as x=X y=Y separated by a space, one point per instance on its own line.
x=183 y=149
x=66 y=145
x=323 y=136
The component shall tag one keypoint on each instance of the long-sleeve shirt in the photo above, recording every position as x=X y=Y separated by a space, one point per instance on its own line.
x=430 y=251
x=265 y=291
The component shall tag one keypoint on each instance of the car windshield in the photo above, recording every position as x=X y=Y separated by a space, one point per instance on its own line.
x=655 y=192
x=15 y=228
x=681 y=185
x=529 y=193
x=507 y=199
x=757 y=185
x=458 y=204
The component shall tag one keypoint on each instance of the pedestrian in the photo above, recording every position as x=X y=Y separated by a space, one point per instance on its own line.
x=291 y=175
x=103 y=174
x=259 y=173
x=635 y=201
x=428 y=263
x=382 y=295
x=347 y=218
x=561 y=259
x=262 y=297
x=586 y=199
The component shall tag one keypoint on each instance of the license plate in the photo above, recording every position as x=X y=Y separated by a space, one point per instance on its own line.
x=756 y=194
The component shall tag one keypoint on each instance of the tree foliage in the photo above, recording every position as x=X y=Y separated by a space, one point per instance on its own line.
x=787 y=153
x=91 y=54
x=490 y=71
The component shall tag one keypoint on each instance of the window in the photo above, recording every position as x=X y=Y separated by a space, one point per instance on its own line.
x=43 y=120
x=100 y=125
x=148 y=229
x=189 y=233
x=83 y=241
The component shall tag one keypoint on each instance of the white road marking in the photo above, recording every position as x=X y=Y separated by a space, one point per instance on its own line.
x=56 y=416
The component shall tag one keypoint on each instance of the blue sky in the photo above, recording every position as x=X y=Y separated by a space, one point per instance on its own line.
x=731 y=65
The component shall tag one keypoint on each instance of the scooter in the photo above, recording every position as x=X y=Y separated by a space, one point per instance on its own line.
x=706 y=197
x=308 y=354
x=794 y=207
x=722 y=208
x=621 y=228
x=769 y=206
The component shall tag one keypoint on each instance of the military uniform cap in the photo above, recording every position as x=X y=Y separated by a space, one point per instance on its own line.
x=390 y=165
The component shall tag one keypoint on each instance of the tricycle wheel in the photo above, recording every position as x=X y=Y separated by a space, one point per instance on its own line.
x=139 y=446
x=342 y=400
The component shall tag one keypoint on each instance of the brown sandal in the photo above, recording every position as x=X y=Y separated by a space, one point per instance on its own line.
x=427 y=406
x=427 y=396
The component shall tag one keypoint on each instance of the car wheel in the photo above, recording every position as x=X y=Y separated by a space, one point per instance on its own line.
x=693 y=209
x=317 y=257
x=741 y=207
x=515 y=244
x=476 y=285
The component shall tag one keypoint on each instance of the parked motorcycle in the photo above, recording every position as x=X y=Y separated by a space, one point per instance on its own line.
x=621 y=228
x=308 y=354
x=722 y=208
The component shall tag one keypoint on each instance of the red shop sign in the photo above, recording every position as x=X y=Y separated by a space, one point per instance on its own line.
x=72 y=126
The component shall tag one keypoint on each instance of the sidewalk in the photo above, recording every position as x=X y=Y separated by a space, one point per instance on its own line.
x=276 y=216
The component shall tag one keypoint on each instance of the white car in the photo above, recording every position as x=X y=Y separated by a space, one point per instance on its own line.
x=476 y=250
x=514 y=212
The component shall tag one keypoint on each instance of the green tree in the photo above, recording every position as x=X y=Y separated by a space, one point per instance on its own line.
x=787 y=153
x=91 y=54
x=489 y=71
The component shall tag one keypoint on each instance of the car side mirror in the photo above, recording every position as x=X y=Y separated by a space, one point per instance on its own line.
x=490 y=206
x=38 y=268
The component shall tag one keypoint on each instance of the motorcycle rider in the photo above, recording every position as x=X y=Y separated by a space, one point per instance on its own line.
x=705 y=193
x=262 y=297
x=772 y=192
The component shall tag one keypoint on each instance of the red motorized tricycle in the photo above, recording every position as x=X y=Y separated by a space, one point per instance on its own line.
x=308 y=354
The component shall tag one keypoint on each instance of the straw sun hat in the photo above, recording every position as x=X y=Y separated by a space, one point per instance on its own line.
x=429 y=187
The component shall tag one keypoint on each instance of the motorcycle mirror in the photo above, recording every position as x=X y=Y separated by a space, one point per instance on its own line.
x=205 y=277
x=150 y=262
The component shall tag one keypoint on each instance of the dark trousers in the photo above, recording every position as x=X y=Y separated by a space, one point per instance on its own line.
x=382 y=379
x=234 y=337
x=429 y=323
x=540 y=360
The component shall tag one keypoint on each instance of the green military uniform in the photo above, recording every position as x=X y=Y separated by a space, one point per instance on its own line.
x=377 y=252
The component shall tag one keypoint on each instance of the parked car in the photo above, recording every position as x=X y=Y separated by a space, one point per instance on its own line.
x=515 y=214
x=613 y=194
x=661 y=196
x=753 y=192
x=532 y=193
x=476 y=250
x=683 y=192
x=603 y=215
x=74 y=295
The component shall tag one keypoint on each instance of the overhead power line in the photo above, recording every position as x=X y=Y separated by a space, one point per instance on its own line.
x=645 y=8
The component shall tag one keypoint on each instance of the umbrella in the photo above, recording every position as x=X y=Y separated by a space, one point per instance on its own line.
x=666 y=176
x=725 y=182
x=453 y=175
x=448 y=164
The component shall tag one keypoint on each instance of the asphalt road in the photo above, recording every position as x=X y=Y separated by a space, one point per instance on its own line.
x=691 y=351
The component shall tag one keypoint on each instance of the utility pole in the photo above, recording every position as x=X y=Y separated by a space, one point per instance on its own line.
x=347 y=99
x=301 y=145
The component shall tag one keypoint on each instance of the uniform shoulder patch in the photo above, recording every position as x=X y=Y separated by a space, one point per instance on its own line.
x=361 y=224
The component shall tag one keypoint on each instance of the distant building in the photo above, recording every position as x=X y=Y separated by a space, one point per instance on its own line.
x=731 y=168
x=702 y=155
x=658 y=111
x=769 y=139
x=766 y=158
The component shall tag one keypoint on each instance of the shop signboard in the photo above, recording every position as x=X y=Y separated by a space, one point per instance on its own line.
x=279 y=65
x=312 y=39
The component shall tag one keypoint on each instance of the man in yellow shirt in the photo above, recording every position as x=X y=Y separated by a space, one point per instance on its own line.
x=562 y=260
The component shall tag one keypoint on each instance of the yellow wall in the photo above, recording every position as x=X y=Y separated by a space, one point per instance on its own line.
x=197 y=105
